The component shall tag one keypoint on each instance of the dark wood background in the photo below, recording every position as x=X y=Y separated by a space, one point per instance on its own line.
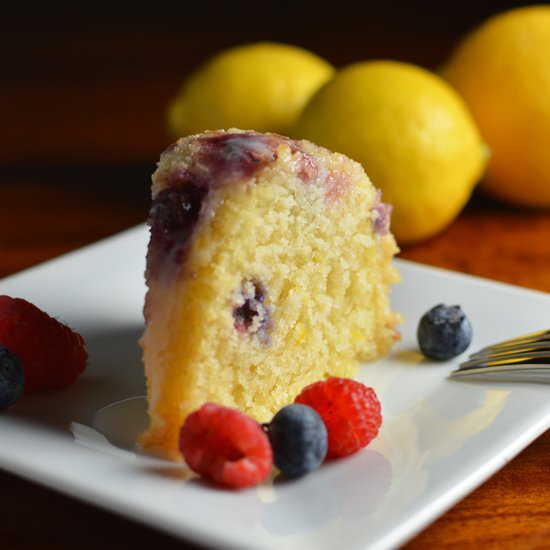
x=83 y=93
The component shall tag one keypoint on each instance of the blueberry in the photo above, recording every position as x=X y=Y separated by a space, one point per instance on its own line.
x=251 y=314
x=299 y=439
x=444 y=332
x=12 y=379
x=173 y=216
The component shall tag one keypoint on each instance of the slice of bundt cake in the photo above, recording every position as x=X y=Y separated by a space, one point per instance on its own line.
x=268 y=268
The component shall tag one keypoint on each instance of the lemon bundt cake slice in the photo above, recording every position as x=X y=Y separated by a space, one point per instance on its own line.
x=268 y=268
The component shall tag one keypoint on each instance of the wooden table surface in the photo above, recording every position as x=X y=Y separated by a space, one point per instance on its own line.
x=82 y=101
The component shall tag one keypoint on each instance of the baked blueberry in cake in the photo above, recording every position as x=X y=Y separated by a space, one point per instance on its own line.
x=268 y=268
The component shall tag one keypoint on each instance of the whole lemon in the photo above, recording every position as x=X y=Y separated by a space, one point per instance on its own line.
x=261 y=86
x=502 y=69
x=413 y=135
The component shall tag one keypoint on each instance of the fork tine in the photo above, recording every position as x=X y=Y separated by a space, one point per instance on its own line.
x=542 y=358
x=524 y=347
x=532 y=337
x=506 y=373
x=525 y=357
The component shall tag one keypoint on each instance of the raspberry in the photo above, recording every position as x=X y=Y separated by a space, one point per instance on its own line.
x=226 y=446
x=52 y=355
x=350 y=410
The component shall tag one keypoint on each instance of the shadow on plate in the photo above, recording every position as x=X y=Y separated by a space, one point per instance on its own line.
x=114 y=372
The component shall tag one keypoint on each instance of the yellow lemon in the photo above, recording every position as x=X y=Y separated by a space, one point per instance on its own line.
x=502 y=69
x=261 y=86
x=413 y=134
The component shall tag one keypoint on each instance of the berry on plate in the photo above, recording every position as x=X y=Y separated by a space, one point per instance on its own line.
x=12 y=379
x=350 y=410
x=226 y=446
x=299 y=439
x=444 y=332
x=52 y=354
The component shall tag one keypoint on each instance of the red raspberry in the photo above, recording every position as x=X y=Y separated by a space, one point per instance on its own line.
x=351 y=412
x=52 y=355
x=226 y=446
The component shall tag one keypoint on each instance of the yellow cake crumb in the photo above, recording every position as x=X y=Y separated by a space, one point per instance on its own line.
x=283 y=280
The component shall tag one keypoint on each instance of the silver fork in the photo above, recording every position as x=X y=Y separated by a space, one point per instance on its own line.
x=522 y=359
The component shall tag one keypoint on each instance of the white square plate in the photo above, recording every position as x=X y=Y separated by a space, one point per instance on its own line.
x=440 y=438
